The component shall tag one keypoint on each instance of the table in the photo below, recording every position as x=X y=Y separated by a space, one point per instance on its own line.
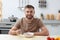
x=20 y=37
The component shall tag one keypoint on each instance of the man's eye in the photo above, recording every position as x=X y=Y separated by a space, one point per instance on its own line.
x=31 y=11
x=27 y=11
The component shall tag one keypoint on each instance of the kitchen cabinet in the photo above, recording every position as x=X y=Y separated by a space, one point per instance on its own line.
x=5 y=27
x=4 y=30
x=53 y=30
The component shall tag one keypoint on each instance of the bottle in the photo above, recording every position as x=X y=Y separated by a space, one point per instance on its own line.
x=42 y=16
x=58 y=15
x=48 y=17
x=52 y=17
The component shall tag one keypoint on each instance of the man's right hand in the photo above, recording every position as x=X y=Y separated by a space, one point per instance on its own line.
x=15 y=32
x=18 y=32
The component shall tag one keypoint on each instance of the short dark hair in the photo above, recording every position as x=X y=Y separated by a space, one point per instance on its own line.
x=29 y=6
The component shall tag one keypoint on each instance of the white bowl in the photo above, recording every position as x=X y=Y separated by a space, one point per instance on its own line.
x=28 y=35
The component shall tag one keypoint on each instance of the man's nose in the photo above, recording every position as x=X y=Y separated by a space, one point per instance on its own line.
x=29 y=13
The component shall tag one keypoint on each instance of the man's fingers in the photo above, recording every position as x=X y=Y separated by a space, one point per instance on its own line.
x=17 y=32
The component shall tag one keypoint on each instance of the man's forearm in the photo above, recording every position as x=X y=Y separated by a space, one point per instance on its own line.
x=41 y=34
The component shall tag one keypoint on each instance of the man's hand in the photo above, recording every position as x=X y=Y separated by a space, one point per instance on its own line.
x=18 y=32
x=14 y=31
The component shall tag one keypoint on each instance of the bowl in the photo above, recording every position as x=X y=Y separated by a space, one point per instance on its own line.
x=28 y=34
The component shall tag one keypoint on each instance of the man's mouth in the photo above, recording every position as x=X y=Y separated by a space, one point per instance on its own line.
x=29 y=16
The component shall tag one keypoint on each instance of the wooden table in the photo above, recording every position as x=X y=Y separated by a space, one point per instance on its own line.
x=20 y=37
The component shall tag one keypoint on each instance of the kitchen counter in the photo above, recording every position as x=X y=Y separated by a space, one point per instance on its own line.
x=51 y=22
x=6 y=24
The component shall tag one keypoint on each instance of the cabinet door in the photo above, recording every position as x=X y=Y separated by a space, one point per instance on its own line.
x=53 y=30
x=0 y=31
x=4 y=31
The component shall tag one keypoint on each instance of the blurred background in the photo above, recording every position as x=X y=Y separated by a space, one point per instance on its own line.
x=47 y=10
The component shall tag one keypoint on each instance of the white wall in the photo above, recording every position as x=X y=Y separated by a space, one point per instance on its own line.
x=10 y=7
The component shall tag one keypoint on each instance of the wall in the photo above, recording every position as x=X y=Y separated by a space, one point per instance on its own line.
x=10 y=7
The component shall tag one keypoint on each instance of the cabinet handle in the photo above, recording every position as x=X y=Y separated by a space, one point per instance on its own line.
x=8 y=24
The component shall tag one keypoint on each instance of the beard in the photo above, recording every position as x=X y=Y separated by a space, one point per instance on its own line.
x=29 y=16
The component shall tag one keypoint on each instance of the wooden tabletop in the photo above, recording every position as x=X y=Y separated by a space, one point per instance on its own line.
x=20 y=37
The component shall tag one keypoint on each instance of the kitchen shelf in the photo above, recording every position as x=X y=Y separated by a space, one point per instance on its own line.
x=51 y=22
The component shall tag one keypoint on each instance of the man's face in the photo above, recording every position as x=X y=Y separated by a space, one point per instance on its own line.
x=29 y=13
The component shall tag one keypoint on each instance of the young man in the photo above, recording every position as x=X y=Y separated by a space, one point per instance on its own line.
x=29 y=24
